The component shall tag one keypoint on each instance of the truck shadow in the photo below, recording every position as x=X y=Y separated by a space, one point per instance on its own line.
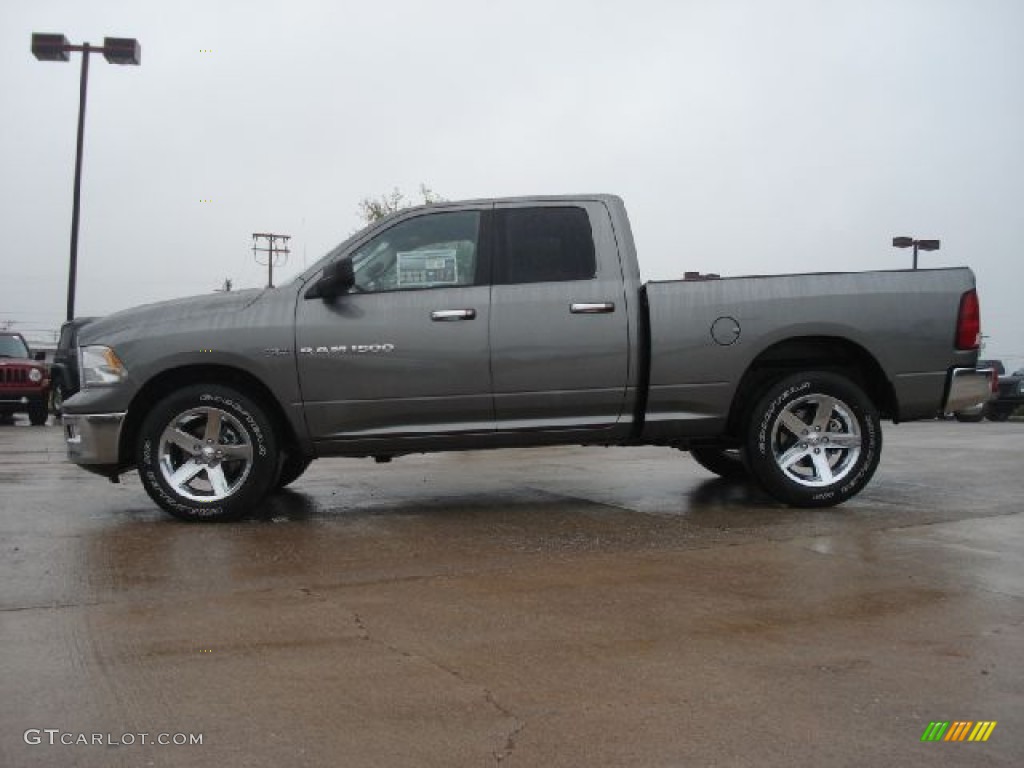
x=289 y=505
x=718 y=492
x=715 y=496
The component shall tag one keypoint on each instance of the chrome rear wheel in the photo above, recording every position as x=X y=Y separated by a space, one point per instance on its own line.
x=814 y=439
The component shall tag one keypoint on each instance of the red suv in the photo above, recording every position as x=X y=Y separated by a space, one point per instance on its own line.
x=24 y=380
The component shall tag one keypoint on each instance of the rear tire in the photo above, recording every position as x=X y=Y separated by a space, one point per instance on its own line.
x=997 y=415
x=814 y=440
x=207 y=453
x=724 y=462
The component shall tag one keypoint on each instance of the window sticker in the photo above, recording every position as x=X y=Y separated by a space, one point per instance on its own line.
x=428 y=267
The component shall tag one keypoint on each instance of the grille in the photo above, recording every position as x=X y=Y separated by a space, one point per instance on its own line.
x=13 y=376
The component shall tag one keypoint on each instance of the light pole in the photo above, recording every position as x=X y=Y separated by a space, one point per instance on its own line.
x=116 y=50
x=924 y=245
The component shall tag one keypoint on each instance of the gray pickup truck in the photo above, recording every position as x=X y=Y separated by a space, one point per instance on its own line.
x=515 y=323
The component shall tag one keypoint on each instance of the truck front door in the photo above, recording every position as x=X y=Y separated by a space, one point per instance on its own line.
x=405 y=352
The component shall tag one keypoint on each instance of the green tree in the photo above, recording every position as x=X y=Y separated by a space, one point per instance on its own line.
x=373 y=209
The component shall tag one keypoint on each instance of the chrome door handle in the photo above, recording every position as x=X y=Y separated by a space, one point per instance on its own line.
x=448 y=315
x=600 y=308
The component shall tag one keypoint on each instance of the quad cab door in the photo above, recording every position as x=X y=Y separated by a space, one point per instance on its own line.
x=560 y=347
x=405 y=352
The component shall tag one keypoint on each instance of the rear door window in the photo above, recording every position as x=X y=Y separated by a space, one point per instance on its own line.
x=544 y=244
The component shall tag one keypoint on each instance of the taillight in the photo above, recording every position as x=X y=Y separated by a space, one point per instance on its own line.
x=968 y=322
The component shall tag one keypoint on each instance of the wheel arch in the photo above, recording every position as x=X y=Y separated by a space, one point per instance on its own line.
x=167 y=381
x=803 y=353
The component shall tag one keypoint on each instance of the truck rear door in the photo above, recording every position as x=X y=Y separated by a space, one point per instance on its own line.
x=559 y=322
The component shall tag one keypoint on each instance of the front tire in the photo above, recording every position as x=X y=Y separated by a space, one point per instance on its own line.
x=814 y=440
x=207 y=453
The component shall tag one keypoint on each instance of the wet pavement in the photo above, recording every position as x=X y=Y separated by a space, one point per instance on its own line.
x=551 y=607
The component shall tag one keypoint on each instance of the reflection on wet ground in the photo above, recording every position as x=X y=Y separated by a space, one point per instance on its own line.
x=551 y=607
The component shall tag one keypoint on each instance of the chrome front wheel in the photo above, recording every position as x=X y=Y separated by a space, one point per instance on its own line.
x=207 y=452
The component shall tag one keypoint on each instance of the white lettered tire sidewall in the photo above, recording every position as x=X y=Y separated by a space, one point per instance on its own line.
x=760 y=455
x=259 y=434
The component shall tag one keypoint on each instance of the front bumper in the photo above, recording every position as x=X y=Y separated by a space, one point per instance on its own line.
x=968 y=387
x=93 y=438
x=20 y=398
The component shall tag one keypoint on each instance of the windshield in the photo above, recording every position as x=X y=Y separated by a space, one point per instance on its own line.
x=13 y=346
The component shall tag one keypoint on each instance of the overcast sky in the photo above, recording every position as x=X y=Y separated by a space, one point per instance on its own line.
x=746 y=136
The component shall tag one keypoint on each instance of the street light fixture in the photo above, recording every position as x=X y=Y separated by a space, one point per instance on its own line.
x=924 y=245
x=116 y=50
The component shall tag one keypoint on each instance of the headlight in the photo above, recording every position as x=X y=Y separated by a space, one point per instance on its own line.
x=1020 y=387
x=100 y=367
x=35 y=375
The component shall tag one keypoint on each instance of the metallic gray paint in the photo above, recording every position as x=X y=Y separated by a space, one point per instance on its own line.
x=553 y=367
x=230 y=330
x=525 y=369
x=904 y=319
x=437 y=377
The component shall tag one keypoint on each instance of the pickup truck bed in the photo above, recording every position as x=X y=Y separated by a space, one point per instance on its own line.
x=884 y=322
x=519 y=322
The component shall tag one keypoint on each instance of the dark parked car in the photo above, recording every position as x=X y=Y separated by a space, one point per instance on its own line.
x=64 y=371
x=1009 y=399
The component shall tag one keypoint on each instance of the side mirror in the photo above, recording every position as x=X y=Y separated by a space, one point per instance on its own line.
x=40 y=356
x=336 y=279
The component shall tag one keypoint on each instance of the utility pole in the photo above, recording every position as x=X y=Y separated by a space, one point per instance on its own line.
x=276 y=254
